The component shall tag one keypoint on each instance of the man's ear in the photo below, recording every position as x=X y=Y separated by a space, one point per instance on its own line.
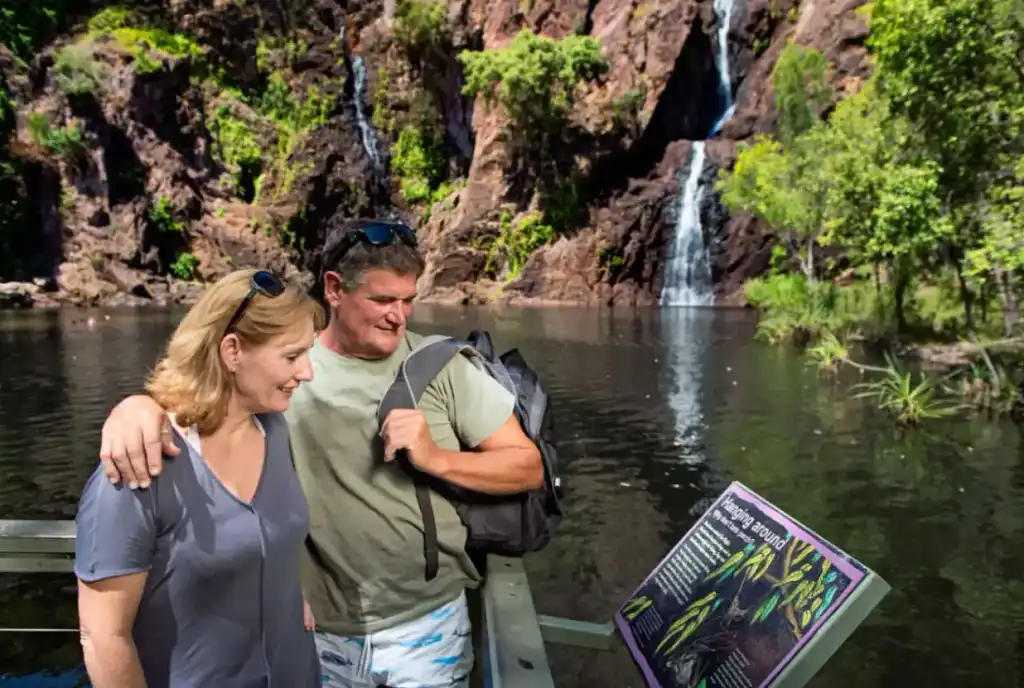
x=332 y=287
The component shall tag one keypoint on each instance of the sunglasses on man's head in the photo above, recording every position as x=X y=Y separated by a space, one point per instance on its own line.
x=376 y=233
x=262 y=282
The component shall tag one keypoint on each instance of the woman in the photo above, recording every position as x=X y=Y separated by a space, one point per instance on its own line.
x=195 y=581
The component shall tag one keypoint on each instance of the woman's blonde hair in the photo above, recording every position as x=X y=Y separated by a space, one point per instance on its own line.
x=191 y=380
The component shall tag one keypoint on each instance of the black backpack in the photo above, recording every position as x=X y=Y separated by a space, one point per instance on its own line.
x=508 y=525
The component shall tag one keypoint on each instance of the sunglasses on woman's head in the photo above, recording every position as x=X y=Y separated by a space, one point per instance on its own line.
x=262 y=282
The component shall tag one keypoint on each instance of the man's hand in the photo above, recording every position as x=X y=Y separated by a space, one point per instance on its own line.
x=407 y=429
x=308 y=620
x=136 y=435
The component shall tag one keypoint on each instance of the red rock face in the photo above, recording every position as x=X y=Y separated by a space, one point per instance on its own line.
x=150 y=139
x=668 y=49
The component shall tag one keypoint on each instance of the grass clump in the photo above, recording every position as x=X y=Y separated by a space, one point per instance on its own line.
x=909 y=398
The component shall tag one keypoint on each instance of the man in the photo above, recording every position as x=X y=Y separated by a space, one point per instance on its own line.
x=380 y=620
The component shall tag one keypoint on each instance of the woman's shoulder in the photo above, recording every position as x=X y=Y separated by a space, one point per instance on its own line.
x=275 y=430
x=272 y=422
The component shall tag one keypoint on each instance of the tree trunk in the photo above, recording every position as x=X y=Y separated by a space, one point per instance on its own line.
x=966 y=298
x=901 y=280
x=807 y=264
x=1009 y=300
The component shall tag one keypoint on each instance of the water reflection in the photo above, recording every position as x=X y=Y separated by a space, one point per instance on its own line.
x=686 y=333
x=656 y=412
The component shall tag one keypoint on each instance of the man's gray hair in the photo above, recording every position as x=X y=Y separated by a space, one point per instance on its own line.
x=362 y=257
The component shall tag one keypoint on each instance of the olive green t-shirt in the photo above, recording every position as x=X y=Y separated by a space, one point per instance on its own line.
x=363 y=564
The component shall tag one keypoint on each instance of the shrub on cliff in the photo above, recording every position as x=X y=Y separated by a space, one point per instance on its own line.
x=418 y=163
x=535 y=79
x=421 y=26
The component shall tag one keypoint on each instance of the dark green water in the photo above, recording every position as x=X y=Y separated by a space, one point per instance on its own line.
x=656 y=414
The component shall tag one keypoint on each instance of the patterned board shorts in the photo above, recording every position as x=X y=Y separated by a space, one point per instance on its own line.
x=433 y=651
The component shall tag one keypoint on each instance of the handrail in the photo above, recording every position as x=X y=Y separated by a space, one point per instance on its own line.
x=37 y=546
x=509 y=635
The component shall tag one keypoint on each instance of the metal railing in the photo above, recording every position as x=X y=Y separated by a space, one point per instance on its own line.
x=509 y=635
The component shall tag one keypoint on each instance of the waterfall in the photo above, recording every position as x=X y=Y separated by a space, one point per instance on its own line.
x=687 y=279
x=723 y=11
x=369 y=136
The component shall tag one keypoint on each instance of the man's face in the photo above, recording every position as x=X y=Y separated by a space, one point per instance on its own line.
x=371 y=319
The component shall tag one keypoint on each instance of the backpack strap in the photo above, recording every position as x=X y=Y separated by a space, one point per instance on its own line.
x=424 y=363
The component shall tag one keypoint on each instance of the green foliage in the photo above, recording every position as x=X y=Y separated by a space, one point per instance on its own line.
x=564 y=207
x=828 y=352
x=990 y=385
x=76 y=71
x=6 y=109
x=417 y=162
x=908 y=400
x=952 y=67
x=438 y=195
x=150 y=45
x=111 y=18
x=800 y=84
x=275 y=52
x=916 y=179
x=294 y=116
x=782 y=186
x=795 y=308
x=515 y=243
x=162 y=216
x=184 y=266
x=68 y=143
x=1002 y=244
x=290 y=115
x=25 y=25
x=626 y=109
x=533 y=77
x=159 y=40
x=238 y=149
x=422 y=25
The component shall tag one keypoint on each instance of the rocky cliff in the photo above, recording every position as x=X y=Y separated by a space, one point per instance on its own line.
x=157 y=146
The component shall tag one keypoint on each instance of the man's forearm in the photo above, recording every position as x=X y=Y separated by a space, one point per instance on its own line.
x=498 y=471
x=113 y=662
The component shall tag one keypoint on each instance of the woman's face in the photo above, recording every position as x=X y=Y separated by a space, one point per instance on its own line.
x=265 y=376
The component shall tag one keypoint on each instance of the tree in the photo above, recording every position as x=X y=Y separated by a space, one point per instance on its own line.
x=422 y=27
x=801 y=90
x=953 y=68
x=883 y=206
x=784 y=188
x=1000 y=253
x=535 y=79
x=779 y=180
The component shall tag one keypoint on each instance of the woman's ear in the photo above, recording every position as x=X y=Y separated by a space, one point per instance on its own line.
x=230 y=351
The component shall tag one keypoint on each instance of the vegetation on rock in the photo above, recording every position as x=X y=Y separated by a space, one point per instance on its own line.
x=535 y=79
x=251 y=126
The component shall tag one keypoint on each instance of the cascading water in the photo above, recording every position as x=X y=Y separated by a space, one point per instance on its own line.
x=687 y=279
x=688 y=270
x=723 y=11
x=366 y=131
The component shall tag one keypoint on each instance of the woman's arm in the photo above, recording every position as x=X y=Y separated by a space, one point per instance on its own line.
x=115 y=539
x=106 y=613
